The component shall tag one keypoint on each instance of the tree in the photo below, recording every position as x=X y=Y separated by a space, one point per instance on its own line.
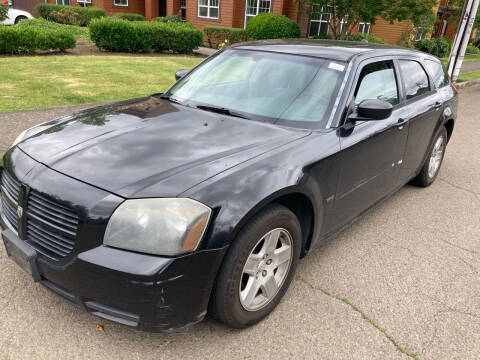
x=346 y=14
x=456 y=6
x=3 y=11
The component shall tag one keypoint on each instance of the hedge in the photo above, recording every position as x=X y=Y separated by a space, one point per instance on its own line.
x=473 y=50
x=130 y=17
x=27 y=40
x=272 y=26
x=3 y=11
x=85 y=14
x=218 y=34
x=169 y=18
x=370 y=38
x=439 y=47
x=142 y=36
x=42 y=24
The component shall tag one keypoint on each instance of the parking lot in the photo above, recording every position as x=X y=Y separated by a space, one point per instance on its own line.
x=402 y=282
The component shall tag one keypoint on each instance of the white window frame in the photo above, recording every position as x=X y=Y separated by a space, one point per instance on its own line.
x=420 y=34
x=84 y=1
x=325 y=17
x=344 y=24
x=122 y=5
x=256 y=10
x=62 y=2
x=208 y=7
x=364 y=25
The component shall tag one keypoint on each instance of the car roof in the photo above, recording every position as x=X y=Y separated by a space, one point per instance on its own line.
x=331 y=49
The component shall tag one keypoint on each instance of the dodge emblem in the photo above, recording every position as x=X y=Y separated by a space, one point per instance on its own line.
x=19 y=211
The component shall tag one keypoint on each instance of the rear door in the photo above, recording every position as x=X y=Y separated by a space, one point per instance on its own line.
x=371 y=151
x=425 y=108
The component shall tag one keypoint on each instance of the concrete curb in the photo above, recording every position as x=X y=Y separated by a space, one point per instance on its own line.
x=467 y=84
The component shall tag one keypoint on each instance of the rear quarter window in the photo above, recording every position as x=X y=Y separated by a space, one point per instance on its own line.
x=437 y=72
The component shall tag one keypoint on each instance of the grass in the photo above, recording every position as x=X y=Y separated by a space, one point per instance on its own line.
x=467 y=76
x=49 y=81
x=467 y=58
x=76 y=31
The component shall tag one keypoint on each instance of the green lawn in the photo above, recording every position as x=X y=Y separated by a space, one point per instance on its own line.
x=467 y=76
x=467 y=58
x=48 y=81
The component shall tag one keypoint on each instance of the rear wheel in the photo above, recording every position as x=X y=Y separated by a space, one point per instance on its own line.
x=430 y=169
x=258 y=268
x=19 y=18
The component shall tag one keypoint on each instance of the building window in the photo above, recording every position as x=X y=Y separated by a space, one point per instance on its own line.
x=120 y=2
x=183 y=8
x=208 y=9
x=255 y=7
x=364 y=27
x=421 y=34
x=320 y=20
x=344 y=25
x=63 y=2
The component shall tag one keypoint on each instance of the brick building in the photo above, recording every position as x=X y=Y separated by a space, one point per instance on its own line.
x=236 y=13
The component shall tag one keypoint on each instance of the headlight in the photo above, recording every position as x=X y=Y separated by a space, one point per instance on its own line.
x=164 y=226
x=19 y=138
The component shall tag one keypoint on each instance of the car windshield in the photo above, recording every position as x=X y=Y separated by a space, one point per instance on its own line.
x=284 y=89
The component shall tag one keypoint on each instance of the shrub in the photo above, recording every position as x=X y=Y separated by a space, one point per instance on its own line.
x=142 y=36
x=85 y=14
x=65 y=16
x=473 y=49
x=272 y=26
x=370 y=38
x=170 y=18
x=439 y=47
x=130 y=17
x=3 y=11
x=27 y=40
x=45 y=25
x=218 y=34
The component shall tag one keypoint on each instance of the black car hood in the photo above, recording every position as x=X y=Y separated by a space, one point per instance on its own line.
x=143 y=147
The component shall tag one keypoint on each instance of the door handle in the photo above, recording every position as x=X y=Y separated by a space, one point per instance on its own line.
x=436 y=106
x=401 y=123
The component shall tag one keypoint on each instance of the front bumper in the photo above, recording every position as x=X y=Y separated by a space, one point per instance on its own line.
x=146 y=292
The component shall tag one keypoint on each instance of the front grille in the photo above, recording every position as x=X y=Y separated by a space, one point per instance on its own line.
x=10 y=189
x=51 y=227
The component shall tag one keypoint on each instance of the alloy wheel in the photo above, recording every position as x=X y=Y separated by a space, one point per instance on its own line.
x=265 y=269
x=436 y=157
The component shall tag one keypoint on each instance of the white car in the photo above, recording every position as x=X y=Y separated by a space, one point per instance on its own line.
x=14 y=16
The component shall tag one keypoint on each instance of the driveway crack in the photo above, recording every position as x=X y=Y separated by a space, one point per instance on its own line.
x=372 y=322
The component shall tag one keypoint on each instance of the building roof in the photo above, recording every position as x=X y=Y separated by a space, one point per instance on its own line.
x=331 y=49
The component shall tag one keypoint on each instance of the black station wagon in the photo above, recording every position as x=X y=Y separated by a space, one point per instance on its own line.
x=154 y=211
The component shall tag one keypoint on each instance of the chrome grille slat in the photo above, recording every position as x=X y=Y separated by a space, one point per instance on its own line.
x=10 y=190
x=62 y=214
x=68 y=243
x=51 y=226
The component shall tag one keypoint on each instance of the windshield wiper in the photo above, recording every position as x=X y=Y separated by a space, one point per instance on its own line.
x=170 y=98
x=222 y=110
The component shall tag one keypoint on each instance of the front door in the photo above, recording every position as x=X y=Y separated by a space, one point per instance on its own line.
x=371 y=151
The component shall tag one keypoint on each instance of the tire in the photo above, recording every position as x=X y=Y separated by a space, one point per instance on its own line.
x=426 y=176
x=227 y=304
x=19 y=18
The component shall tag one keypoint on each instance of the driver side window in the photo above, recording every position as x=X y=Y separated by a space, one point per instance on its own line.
x=377 y=81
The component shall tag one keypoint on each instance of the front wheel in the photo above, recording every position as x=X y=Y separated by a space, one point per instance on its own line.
x=258 y=268
x=430 y=169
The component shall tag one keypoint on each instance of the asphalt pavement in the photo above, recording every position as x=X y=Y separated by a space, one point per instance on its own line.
x=402 y=282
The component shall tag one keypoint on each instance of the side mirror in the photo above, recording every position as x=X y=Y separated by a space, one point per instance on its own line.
x=180 y=74
x=373 y=109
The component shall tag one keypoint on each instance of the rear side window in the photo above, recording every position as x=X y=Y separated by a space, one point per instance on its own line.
x=415 y=78
x=377 y=81
x=438 y=73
